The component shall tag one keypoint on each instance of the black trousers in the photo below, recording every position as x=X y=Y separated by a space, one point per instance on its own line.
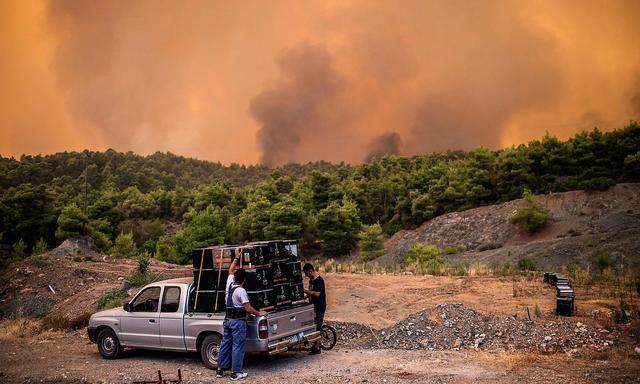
x=319 y=320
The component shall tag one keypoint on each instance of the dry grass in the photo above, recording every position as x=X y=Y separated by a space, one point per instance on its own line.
x=80 y=321
x=55 y=322
x=19 y=328
x=513 y=361
x=450 y=269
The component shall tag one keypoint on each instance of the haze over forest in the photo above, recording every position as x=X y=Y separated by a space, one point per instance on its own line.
x=289 y=81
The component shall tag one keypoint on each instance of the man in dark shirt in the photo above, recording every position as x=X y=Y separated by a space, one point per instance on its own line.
x=318 y=297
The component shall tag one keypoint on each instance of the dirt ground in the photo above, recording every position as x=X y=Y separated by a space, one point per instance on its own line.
x=383 y=300
x=374 y=300
x=70 y=358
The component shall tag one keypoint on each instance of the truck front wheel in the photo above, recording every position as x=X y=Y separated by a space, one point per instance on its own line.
x=108 y=344
x=209 y=351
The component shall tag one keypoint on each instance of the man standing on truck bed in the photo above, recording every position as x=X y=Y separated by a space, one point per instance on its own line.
x=231 y=353
x=318 y=298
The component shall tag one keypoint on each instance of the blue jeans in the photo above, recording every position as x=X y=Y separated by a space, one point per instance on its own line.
x=232 y=347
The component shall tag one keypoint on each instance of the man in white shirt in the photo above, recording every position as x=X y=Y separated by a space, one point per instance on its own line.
x=235 y=328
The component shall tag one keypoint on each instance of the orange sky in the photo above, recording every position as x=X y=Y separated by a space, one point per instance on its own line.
x=281 y=81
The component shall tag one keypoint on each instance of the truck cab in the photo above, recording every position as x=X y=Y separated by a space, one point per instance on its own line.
x=161 y=316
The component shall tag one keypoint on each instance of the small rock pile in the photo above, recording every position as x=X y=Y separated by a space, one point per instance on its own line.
x=456 y=327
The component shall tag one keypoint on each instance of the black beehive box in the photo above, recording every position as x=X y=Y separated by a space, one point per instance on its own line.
x=261 y=299
x=282 y=295
x=279 y=273
x=294 y=272
x=297 y=293
x=278 y=251
x=291 y=249
x=255 y=255
x=258 y=279
x=210 y=280
x=564 y=306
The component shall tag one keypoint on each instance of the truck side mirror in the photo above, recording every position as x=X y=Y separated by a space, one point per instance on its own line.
x=127 y=307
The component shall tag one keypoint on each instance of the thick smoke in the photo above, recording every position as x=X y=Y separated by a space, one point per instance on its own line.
x=454 y=76
x=284 y=80
x=385 y=144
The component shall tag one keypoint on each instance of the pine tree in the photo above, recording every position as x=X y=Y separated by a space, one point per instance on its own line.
x=371 y=242
x=72 y=222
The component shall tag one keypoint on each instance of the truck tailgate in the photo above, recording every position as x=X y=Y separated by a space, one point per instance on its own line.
x=290 y=322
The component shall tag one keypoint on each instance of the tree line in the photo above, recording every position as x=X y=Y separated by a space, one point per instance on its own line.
x=165 y=205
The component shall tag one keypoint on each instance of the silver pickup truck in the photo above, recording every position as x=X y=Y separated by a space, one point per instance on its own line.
x=160 y=317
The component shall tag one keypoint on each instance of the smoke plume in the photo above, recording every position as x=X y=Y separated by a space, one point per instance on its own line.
x=300 y=115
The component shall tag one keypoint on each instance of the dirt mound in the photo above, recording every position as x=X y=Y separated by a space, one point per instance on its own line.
x=456 y=327
x=69 y=280
x=598 y=221
x=72 y=247
x=351 y=334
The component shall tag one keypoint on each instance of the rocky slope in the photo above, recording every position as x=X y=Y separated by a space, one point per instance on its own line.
x=583 y=225
x=69 y=280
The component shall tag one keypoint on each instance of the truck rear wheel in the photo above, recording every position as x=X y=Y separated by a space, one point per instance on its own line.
x=108 y=344
x=209 y=351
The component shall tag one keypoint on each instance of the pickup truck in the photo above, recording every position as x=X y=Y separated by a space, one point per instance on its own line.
x=161 y=317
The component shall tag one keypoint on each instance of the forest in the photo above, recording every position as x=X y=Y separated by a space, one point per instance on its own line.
x=163 y=205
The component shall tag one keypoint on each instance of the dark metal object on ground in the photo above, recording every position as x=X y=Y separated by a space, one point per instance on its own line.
x=161 y=380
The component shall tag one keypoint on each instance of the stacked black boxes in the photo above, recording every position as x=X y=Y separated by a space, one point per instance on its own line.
x=286 y=271
x=256 y=262
x=273 y=270
x=565 y=295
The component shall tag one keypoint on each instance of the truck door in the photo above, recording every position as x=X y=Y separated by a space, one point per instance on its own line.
x=171 y=315
x=140 y=327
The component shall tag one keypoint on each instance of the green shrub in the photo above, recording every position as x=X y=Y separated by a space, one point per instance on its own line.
x=527 y=264
x=40 y=247
x=165 y=250
x=597 y=184
x=453 y=249
x=604 y=261
x=371 y=243
x=138 y=279
x=141 y=276
x=426 y=258
x=55 y=322
x=530 y=216
x=112 y=299
x=149 y=246
x=124 y=246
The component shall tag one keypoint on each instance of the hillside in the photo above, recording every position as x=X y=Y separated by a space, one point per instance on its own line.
x=117 y=198
x=583 y=225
